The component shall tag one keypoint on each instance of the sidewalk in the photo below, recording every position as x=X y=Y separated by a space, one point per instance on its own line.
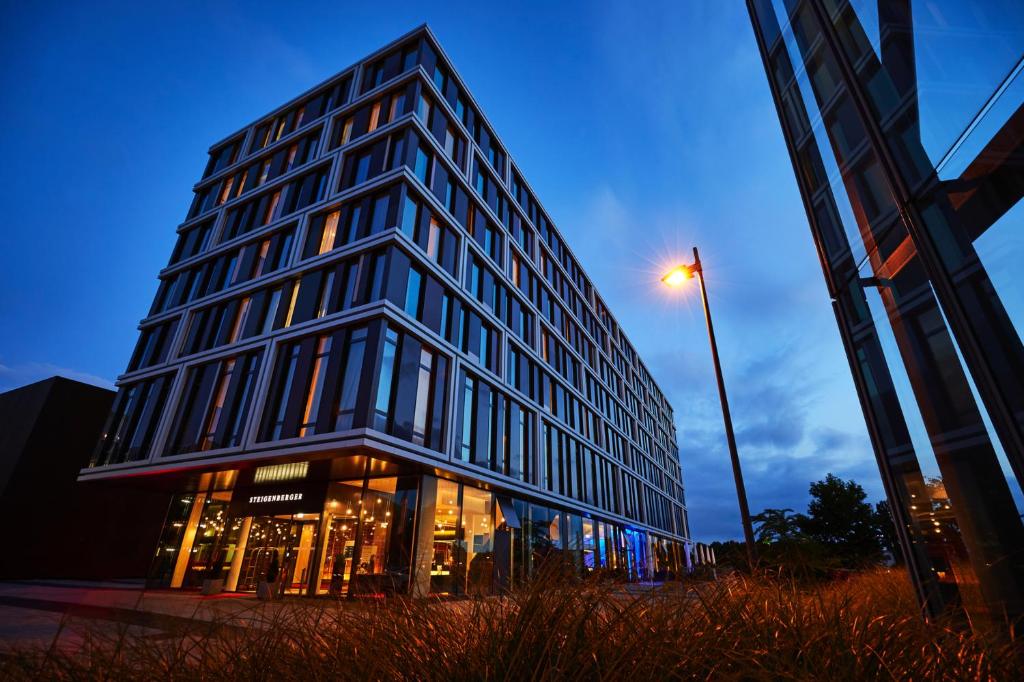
x=33 y=613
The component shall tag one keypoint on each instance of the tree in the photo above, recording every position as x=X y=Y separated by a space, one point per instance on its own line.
x=841 y=521
x=776 y=525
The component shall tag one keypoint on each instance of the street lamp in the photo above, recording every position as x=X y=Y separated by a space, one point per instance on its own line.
x=675 y=278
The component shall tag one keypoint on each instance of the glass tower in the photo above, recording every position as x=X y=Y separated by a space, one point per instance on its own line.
x=373 y=364
x=904 y=122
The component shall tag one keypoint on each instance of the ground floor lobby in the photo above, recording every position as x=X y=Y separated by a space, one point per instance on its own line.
x=361 y=526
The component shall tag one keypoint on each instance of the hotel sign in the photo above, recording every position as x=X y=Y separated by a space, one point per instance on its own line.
x=280 y=497
x=298 y=497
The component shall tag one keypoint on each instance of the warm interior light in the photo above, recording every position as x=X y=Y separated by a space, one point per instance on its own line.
x=677 y=276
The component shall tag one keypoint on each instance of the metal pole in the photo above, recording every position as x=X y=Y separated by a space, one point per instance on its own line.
x=741 y=492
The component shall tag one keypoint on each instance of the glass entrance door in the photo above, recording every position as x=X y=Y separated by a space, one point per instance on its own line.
x=279 y=549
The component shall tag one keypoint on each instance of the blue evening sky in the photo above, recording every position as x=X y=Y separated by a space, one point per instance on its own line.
x=644 y=128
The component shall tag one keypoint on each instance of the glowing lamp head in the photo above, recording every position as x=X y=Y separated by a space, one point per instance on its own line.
x=677 y=276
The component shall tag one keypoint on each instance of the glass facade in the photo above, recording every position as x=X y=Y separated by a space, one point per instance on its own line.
x=905 y=124
x=365 y=276
x=304 y=531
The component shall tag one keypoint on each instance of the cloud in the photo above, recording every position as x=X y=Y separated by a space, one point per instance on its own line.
x=15 y=376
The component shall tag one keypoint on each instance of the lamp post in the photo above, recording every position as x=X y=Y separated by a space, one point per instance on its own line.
x=676 y=277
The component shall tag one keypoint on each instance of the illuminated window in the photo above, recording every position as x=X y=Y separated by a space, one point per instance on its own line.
x=316 y=387
x=272 y=207
x=241 y=183
x=261 y=258
x=291 y=306
x=325 y=294
x=374 y=116
x=264 y=172
x=292 y=151
x=397 y=104
x=213 y=418
x=301 y=114
x=346 y=131
x=330 y=232
x=240 y=319
x=281 y=472
x=225 y=191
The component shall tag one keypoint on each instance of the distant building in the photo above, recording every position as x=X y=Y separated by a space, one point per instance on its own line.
x=53 y=526
x=373 y=363
x=905 y=126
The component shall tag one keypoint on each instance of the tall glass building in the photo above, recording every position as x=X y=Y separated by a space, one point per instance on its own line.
x=373 y=365
x=904 y=121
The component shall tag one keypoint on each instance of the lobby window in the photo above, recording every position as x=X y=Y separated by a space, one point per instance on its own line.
x=132 y=423
x=447 y=565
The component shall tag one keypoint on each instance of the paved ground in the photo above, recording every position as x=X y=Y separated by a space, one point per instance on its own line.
x=40 y=613
x=44 y=614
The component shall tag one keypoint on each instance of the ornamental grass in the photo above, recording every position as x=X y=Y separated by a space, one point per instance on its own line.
x=866 y=627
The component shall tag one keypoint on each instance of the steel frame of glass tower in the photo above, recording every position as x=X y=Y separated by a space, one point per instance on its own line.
x=935 y=353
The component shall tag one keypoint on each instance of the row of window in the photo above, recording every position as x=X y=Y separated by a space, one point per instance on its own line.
x=256 y=174
x=292 y=196
x=320 y=380
x=248 y=261
x=215 y=404
x=323 y=101
x=373 y=214
x=383 y=109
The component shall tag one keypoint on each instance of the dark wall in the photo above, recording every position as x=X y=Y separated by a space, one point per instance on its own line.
x=53 y=526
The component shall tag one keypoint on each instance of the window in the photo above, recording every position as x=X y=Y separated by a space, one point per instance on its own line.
x=129 y=430
x=214 y=404
x=329 y=232
x=420 y=424
x=433 y=238
x=349 y=380
x=286 y=389
x=410 y=212
x=316 y=387
x=374 y=116
x=468 y=401
x=213 y=418
x=384 y=382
